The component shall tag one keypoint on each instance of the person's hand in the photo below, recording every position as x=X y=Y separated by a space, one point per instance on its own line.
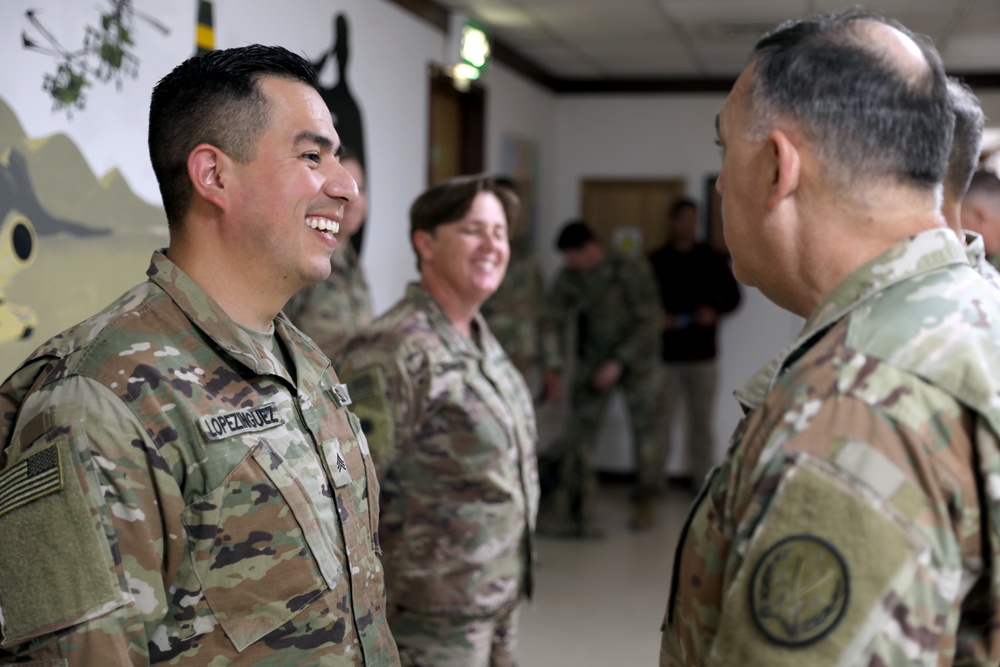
x=553 y=387
x=606 y=376
x=705 y=316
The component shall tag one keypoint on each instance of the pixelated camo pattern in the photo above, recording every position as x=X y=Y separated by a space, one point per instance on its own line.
x=452 y=433
x=332 y=311
x=513 y=312
x=876 y=432
x=213 y=512
x=616 y=309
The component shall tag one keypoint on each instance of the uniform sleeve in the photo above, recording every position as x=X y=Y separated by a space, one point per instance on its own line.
x=642 y=342
x=383 y=396
x=90 y=540
x=840 y=549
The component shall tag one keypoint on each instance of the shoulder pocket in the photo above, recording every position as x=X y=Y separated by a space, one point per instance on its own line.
x=248 y=541
x=56 y=564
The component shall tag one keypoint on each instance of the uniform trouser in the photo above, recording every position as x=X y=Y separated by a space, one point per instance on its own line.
x=430 y=640
x=574 y=496
x=693 y=384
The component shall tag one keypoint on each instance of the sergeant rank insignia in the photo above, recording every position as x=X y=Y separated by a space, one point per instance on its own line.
x=799 y=591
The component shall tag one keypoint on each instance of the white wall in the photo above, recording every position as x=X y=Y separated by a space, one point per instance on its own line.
x=659 y=136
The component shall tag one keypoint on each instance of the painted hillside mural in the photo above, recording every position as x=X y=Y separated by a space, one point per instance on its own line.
x=62 y=260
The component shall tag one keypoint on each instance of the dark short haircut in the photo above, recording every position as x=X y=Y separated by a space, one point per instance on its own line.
x=968 y=138
x=859 y=110
x=574 y=235
x=450 y=200
x=679 y=205
x=213 y=99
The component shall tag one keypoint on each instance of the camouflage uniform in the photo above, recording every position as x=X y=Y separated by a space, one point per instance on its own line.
x=332 y=311
x=452 y=435
x=856 y=518
x=616 y=310
x=169 y=495
x=976 y=253
x=514 y=310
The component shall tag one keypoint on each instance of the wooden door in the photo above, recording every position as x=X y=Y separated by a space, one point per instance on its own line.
x=457 y=132
x=617 y=208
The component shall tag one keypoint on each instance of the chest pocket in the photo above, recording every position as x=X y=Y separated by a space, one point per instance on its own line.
x=254 y=538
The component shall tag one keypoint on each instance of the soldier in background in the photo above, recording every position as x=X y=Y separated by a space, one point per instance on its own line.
x=964 y=156
x=452 y=433
x=611 y=299
x=696 y=288
x=514 y=310
x=180 y=479
x=335 y=309
x=981 y=212
x=854 y=520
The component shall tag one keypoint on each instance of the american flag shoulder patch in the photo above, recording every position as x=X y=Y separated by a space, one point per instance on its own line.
x=31 y=478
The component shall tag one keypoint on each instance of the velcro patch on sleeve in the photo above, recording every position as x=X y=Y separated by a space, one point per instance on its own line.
x=813 y=585
x=32 y=478
x=371 y=406
x=56 y=563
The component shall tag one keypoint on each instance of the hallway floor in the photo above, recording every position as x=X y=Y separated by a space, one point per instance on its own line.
x=599 y=603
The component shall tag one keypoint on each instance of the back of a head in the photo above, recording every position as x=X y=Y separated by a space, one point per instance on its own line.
x=214 y=99
x=872 y=115
x=967 y=141
x=984 y=184
x=680 y=205
x=575 y=234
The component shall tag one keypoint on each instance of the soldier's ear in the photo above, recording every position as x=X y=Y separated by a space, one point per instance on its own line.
x=209 y=170
x=785 y=167
x=423 y=243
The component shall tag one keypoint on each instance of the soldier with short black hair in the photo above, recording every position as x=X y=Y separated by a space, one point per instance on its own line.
x=611 y=300
x=180 y=479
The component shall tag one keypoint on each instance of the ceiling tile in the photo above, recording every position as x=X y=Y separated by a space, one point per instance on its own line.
x=972 y=53
x=767 y=12
x=675 y=38
x=562 y=61
x=597 y=19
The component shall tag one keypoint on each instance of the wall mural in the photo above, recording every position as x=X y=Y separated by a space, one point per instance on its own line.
x=72 y=240
x=57 y=217
x=105 y=55
x=343 y=107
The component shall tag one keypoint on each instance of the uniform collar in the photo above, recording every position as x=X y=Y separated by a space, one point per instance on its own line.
x=456 y=341
x=975 y=249
x=206 y=314
x=919 y=254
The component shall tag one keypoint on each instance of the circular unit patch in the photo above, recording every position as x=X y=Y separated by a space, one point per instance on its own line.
x=799 y=591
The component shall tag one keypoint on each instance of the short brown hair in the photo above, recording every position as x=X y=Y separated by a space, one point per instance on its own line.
x=449 y=201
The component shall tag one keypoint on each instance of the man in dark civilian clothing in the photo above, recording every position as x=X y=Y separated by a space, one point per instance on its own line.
x=696 y=287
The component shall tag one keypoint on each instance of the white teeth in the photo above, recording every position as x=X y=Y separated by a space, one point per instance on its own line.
x=323 y=225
